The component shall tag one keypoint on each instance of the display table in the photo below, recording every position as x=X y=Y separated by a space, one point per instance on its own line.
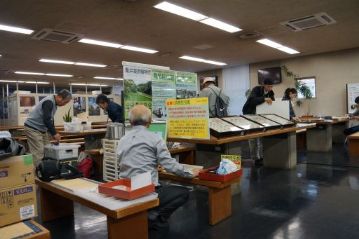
x=279 y=146
x=125 y=223
x=321 y=138
x=219 y=195
x=353 y=145
x=93 y=138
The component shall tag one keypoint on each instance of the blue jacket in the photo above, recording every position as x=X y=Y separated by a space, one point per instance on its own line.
x=114 y=112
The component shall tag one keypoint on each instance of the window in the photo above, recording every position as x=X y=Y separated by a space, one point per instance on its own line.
x=306 y=87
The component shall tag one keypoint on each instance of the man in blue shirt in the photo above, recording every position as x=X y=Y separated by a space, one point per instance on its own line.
x=113 y=110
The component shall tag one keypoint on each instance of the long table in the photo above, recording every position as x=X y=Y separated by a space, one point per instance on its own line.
x=125 y=223
x=93 y=137
x=279 y=146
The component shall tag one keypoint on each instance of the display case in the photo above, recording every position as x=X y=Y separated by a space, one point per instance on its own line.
x=278 y=119
x=268 y=124
x=244 y=123
x=220 y=127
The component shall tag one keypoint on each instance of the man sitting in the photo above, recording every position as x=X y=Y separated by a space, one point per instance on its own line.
x=142 y=151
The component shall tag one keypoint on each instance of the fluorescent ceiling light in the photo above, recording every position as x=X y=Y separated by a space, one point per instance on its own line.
x=58 y=75
x=181 y=11
x=89 y=64
x=220 y=25
x=191 y=58
x=37 y=82
x=277 y=46
x=56 y=61
x=0 y=55
x=133 y=48
x=11 y=81
x=29 y=73
x=16 y=29
x=85 y=84
x=100 y=43
x=106 y=78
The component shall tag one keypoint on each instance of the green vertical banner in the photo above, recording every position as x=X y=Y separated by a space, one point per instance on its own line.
x=137 y=87
x=186 y=85
x=163 y=88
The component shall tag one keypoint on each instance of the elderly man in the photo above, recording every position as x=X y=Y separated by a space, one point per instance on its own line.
x=142 y=151
x=39 y=125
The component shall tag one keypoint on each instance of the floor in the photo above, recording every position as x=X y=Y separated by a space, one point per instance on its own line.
x=319 y=199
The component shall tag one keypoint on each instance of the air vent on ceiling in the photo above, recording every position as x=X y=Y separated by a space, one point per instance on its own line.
x=304 y=23
x=56 y=36
x=249 y=35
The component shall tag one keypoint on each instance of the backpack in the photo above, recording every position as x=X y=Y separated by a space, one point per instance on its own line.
x=221 y=107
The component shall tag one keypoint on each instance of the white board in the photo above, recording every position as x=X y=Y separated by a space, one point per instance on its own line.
x=352 y=93
x=279 y=107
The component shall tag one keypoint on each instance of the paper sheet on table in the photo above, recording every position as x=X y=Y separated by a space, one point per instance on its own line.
x=141 y=180
x=76 y=184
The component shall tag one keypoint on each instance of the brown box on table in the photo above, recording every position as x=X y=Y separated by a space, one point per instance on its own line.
x=210 y=175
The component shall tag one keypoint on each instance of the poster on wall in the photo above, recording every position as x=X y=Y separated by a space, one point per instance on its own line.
x=94 y=109
x=186 y=85
x=137 y=87
x=188 y=118
x=27 y=101
x=79 y=105
x=352 y=93
x=163 y=88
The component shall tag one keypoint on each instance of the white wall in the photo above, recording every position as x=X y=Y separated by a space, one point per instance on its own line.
x=332 y=71
x=235 y=84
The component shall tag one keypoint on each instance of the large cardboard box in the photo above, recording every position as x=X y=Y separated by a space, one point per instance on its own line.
x=17 y=204
x=16 y=170
x=24 y=230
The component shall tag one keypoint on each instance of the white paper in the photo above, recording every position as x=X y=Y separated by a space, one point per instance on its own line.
x=279 y=107
x=141 y=180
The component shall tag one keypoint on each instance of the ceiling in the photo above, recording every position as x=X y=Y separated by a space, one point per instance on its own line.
x=136 y=22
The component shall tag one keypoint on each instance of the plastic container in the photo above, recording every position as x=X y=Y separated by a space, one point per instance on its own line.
x=72 y=127
x=210 y=175
x=125 y=192
x=62 y=151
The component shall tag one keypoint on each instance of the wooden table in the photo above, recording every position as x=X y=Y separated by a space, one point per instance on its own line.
x=353 y=145
x=327 y=132
x=186 y=153
x=279 y=147
x=93 y=138
x=126 y=223
x=219 y=195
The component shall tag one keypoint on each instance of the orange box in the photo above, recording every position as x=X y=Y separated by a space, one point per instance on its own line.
x=126 y=192
x=210 y=175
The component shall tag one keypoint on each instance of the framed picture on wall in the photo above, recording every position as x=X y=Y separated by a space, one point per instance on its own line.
x=306 y=84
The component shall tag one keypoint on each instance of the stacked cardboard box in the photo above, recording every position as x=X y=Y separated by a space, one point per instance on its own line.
x=17 y=189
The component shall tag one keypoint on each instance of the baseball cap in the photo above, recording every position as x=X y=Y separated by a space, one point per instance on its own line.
x=208 y=79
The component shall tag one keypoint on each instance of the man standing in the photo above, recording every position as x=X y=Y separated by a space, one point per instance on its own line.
x=39 y=126
x=259 y=95
x=212 y=92
x=143 y=151
x=113 y=110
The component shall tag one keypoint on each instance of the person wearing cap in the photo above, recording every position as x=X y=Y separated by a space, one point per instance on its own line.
x=258 y=95
x=39 y=125
x=113 y=110
x=211 y=92
x=141 y=151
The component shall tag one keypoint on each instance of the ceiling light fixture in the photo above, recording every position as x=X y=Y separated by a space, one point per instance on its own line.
x=29 y=73
x=191 y=58
x=85 y=84
x=11 y=81
x=37 y=82
x=134 y=48
x=196 y=16
x=15 y=29
x=100 y=43
x=71 y=62
x=180 y=11
x=220 y=25
x=58 y=75
x=277 y=46
x=106 y=78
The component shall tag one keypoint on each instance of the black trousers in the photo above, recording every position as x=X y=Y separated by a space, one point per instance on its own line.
x=171 y=198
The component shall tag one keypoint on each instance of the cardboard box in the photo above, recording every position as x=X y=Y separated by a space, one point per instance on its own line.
x=25 y=230
x=122 y=189
x=17 y=204
x=16 y=170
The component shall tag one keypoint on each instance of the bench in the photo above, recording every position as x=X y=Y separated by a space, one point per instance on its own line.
x=125 y=223
x=219 y=195
x=353 y=144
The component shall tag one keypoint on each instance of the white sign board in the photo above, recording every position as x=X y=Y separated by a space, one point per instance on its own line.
x=279 y=107
x=352 y=93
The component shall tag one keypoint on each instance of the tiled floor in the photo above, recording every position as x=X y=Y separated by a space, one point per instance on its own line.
x=316 y=200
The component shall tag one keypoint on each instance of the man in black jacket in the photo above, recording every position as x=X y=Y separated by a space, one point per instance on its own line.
x=114 y=110
x=259 y=95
